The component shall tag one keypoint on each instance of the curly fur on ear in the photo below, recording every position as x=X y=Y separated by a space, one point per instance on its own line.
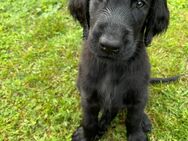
x=157 y=21
x=79 y=9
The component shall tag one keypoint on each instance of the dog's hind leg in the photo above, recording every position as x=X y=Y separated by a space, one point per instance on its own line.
x=146 y=123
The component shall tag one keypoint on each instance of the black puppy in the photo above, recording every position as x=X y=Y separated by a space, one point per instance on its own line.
x=114 y=70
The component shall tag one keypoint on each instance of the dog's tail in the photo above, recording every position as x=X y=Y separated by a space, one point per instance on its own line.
x=164 y=80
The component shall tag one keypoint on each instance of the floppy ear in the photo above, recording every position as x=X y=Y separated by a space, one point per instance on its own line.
x=79 y=9
x=157 y=20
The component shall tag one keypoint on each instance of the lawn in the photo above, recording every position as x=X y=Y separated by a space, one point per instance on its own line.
x=40 y=45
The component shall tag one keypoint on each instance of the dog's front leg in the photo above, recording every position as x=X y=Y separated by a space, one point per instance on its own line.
x=134 y=119
x=89 y=127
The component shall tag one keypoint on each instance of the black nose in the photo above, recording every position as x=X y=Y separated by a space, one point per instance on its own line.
x=109 y=45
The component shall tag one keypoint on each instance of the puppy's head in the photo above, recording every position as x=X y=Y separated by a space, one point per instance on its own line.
x=116 y=27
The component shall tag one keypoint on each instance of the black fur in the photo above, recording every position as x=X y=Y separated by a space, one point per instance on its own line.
x=158 y=20
x=156 y=23
x=164 y=80
x=79 y=9
x=114 y=70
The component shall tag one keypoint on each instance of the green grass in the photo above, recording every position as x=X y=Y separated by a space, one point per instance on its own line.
x=39 y=54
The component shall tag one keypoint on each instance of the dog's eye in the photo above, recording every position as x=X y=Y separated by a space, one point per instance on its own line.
x=140 y=4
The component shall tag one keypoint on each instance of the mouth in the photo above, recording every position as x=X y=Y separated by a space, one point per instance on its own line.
x=107 y=58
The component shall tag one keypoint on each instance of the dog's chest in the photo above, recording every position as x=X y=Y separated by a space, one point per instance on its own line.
x=107 y=85
x=110 y=90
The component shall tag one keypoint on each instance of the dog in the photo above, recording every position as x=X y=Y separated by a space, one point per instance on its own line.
x=114 y=70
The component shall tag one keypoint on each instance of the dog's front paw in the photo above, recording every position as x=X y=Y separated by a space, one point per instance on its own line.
x=79 y=135
x=138 y=136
